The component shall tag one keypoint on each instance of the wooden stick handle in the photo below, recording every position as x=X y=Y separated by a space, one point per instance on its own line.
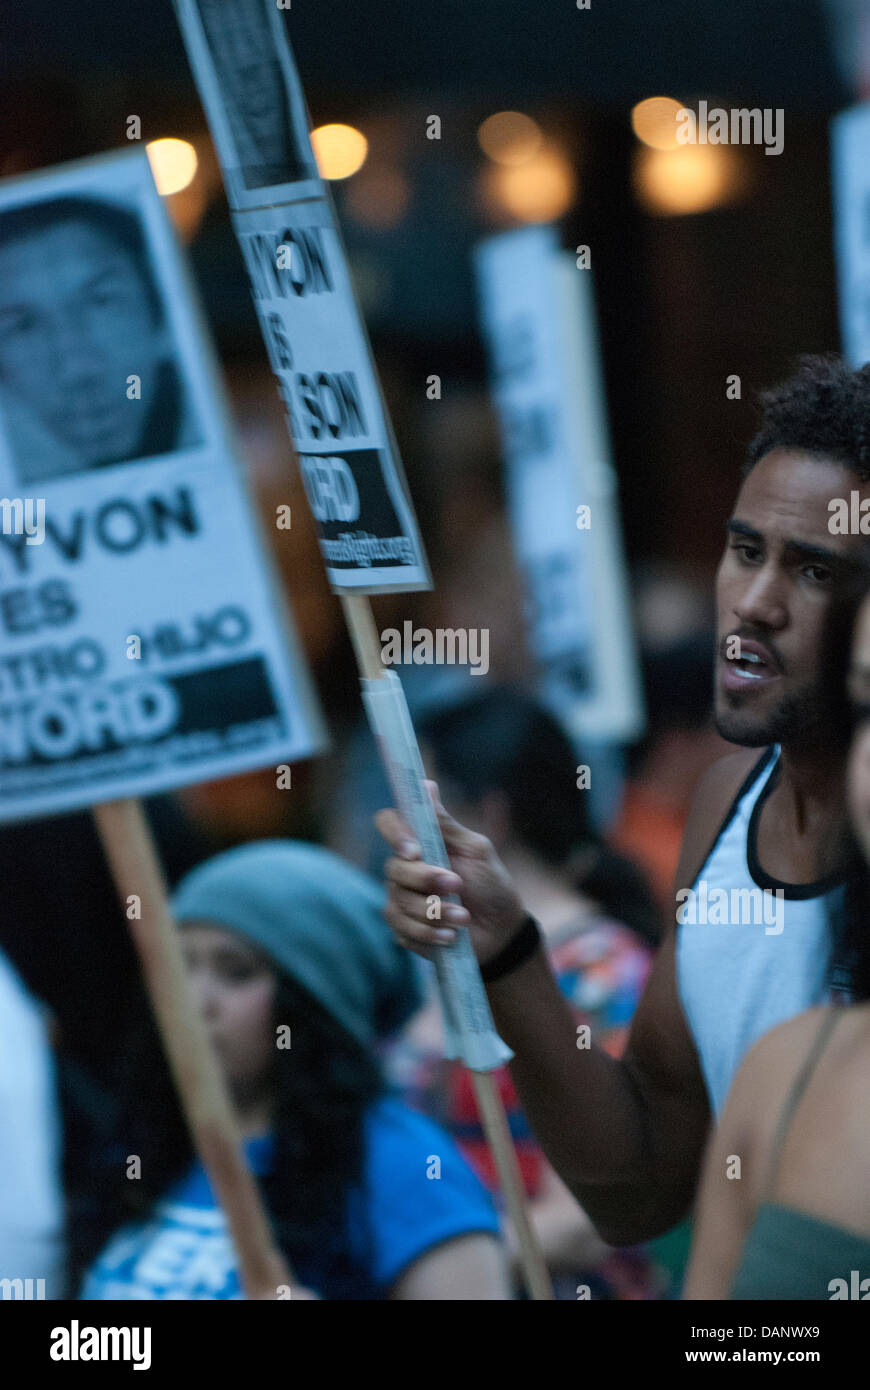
x=132 y=857
x=495 y=1125
x=364 y=635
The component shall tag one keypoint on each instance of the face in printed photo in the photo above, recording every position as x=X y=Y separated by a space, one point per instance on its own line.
x=88 y=373
x=252 y=87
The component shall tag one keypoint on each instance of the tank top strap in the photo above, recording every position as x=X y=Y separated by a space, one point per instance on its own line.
x=793 y=1099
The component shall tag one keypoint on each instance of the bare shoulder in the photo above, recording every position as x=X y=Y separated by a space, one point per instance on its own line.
x=710 y=804
x=729 y=771
x=773 y=1061
x=785 y=1041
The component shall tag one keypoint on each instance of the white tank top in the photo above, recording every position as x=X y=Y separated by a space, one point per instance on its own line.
x=748 y=959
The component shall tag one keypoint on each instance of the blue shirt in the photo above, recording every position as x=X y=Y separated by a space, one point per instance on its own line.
x=416 y=1192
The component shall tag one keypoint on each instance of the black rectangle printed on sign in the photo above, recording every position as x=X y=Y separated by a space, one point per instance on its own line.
x=207 y=702
x=336 y=509
x=236 y=694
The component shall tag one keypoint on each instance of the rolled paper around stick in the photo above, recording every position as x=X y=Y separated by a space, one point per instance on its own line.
x=470 y=1034
x=469 y=1029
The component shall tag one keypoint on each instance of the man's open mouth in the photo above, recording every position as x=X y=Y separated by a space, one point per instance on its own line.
x=751 y=667
x=750 y=664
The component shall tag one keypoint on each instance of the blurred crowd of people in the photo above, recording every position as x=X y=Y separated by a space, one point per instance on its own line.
x=355 y=1107
x=367 y=1144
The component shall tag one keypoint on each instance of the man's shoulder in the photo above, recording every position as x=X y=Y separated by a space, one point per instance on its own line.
x=713 y=798
x=724 y=778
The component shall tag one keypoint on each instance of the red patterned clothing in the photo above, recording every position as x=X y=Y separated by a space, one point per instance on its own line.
x=601 y=967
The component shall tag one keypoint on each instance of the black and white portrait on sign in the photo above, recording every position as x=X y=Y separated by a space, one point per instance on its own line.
x=264 y=110
x=127 y=527
x=89 y=375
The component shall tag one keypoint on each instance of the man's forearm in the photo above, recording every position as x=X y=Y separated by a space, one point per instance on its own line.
x=585 y=1109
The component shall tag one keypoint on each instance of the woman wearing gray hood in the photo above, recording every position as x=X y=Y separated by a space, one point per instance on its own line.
x=299 y=981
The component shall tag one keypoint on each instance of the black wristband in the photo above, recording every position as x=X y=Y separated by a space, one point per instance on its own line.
x=519 y=949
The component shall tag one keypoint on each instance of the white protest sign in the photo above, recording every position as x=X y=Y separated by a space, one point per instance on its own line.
x=142 y=642
x=850 y=132
x=538 y=317
x=314 y=333
x=320 y=355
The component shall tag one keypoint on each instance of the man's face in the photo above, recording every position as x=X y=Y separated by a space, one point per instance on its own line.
x=75 y=322
x=250 y=77
x=777 y=591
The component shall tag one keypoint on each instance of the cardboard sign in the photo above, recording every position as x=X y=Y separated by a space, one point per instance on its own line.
x=538 y=318
x=310 y=320
x=142 y=643
x=850 y=170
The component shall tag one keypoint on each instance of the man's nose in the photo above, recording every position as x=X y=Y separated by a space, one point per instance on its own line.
x=762 y=601
x=74 y=354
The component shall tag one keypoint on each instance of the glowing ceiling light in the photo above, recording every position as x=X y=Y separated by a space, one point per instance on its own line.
x=694 y=178
x=542 y=188
x=509 y=137
x=339 y=150
x=654 y=121
x=173 y=164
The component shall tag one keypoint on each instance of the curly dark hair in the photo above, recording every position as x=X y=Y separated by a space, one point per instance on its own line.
x=324 y=1085
x=823 y=409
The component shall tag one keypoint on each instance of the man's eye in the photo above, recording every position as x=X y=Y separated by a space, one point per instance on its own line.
x=818 y=573
x=747 y=551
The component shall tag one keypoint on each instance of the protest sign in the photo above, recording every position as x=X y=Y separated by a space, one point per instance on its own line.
x=302 y=291
x=142 y=642
x=850 y=171
x=538 y=318
x=320 y=354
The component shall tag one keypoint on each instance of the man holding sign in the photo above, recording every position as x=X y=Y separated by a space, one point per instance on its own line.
x=627 y=1136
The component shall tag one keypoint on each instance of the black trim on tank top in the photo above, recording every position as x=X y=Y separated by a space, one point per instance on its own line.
x=749 y=781
x=817 y=889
